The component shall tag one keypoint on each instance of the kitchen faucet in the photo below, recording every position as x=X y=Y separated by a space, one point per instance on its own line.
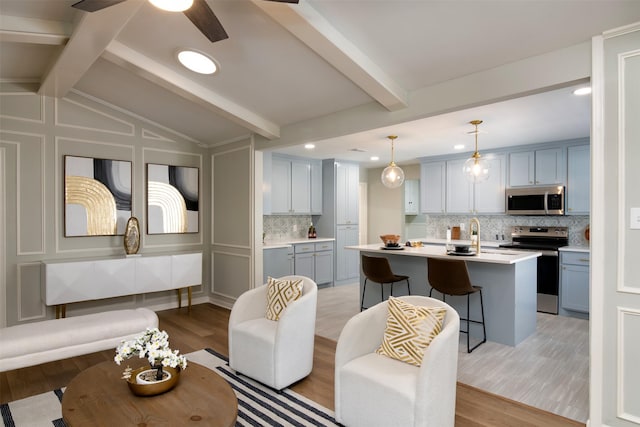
x=477 y=242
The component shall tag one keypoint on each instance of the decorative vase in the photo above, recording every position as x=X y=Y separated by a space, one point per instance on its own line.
x=132 y=236
x=143 y=381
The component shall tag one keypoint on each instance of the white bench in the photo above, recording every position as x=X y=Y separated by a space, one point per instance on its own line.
x=35 y=343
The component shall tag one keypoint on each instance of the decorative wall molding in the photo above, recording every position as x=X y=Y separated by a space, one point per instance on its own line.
x=625 y=80
x=147 y=134
x=19 y=294
x=628 y=372
x=18 y=144
x=213 y=270
x=127 y=128
x=230 y=246
x=135 y=116
x=3 y=239
x=41 y=112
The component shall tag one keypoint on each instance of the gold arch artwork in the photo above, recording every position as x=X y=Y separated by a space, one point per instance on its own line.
x=172 y=204
x=97 y=201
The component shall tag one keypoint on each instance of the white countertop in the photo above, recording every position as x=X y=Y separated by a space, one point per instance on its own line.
x=483 y=243
x=271 y=244
x=490 y=255
x=585 y=249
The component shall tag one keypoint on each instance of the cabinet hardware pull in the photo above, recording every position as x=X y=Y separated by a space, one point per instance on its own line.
x=584 y=259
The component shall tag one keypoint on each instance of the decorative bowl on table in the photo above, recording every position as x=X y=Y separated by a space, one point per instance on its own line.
x=141 y=387
x=463 y=249
x=390 y=240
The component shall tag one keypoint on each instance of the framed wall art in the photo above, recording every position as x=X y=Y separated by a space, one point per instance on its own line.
x=97 y=196
x=172 y=199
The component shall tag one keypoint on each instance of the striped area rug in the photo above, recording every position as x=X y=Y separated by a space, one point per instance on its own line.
x=258 y=405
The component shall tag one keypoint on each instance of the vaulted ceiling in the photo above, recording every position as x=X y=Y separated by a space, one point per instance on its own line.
x=285 y=64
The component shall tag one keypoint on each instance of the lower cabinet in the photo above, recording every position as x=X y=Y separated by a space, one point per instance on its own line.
x=277 y=262
x=347 y=260
x=315 y=260
x=574 y=284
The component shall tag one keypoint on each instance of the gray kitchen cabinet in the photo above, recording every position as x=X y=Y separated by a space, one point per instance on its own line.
x=315 y=260
x=347 y=182
x=578 y=180
x=574 y=283
x=316 y=187
x=347 y=260
x=412 y=197
x=290 y=186
x=464 y=197
x=537 y=167
x=432 y=187
x=277 y=262
x=339 y=219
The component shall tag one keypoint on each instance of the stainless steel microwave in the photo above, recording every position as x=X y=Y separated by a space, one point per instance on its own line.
x=535 y=200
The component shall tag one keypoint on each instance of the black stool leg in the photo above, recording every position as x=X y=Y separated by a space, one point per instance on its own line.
x=468 y=330
x=408 y=286
x=364 y=287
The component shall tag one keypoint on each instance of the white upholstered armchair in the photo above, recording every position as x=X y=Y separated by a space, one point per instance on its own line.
x=375 y=390
x=276 y=353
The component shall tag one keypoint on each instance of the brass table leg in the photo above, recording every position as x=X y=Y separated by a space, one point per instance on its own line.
x=189 y=297
x=61 y=311
x=179 y=291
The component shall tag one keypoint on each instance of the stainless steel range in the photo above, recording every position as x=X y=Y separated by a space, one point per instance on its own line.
x=546 y=240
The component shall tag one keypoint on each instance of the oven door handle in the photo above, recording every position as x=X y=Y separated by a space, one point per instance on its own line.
x=546 y=202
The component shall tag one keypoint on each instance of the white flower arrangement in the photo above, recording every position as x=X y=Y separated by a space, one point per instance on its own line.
x=154 y=345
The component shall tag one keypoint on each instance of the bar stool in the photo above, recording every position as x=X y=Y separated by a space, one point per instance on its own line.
x=378 y=270
x=451 y=277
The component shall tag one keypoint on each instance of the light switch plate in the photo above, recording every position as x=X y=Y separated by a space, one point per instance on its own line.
x=634 y=219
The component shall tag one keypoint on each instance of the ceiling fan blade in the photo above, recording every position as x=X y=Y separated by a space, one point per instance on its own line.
x=93 y=5
x=286 y=1
x=203 y=17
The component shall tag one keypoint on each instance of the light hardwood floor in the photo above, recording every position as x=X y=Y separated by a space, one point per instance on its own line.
x=549 y=370
x=206 y=326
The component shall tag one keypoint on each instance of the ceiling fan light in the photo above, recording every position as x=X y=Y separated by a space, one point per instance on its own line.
x=197 y=62
x=172 y=5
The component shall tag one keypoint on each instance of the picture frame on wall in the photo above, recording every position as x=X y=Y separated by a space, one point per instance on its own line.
x=97 y=196
x=173 y=199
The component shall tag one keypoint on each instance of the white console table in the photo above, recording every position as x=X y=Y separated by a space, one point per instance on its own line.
x=68 y=281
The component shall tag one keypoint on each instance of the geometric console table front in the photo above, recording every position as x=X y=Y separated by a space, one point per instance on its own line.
x=68 y=281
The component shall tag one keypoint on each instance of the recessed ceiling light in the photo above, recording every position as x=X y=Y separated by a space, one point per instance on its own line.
x=458 y=146
x=375 y=158
x=582 y=91
x=309 y=146
x=172 y=5
x=197 y=62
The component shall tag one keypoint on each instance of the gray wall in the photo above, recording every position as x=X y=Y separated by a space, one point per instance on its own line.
x=36 y=133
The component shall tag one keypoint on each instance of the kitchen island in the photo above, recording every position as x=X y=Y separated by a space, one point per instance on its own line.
x=507 y=277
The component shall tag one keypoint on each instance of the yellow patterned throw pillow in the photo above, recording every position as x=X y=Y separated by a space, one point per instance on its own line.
x=410 y=330
x=279 y=294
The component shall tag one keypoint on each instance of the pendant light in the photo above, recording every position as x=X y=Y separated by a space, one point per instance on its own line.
x=392 y=175
x=476 y=169
x=172 y=5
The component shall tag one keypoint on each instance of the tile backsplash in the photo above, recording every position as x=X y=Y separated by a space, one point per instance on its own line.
x=283 y=227
x=435 y=226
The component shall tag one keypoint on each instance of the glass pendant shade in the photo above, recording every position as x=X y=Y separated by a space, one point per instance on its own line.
x=392 y=176
x=172 y=5
x=476 y=169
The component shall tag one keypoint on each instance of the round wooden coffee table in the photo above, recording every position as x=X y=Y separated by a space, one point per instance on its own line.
x=99 y=397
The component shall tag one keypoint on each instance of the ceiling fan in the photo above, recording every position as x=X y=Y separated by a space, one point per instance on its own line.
x=199 y=13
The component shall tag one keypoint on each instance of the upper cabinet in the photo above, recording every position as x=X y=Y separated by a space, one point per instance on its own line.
x=412 y=197
x=432 y=187
x=347 y=181
x=578 y=180
x=467 y=198
x=295 y=186
x=537 y=167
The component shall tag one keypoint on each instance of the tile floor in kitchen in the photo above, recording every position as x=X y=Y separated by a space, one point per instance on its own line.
x=548 y=370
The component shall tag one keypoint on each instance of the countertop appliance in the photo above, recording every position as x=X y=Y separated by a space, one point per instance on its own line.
x=546 y=240
x=535 y=200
